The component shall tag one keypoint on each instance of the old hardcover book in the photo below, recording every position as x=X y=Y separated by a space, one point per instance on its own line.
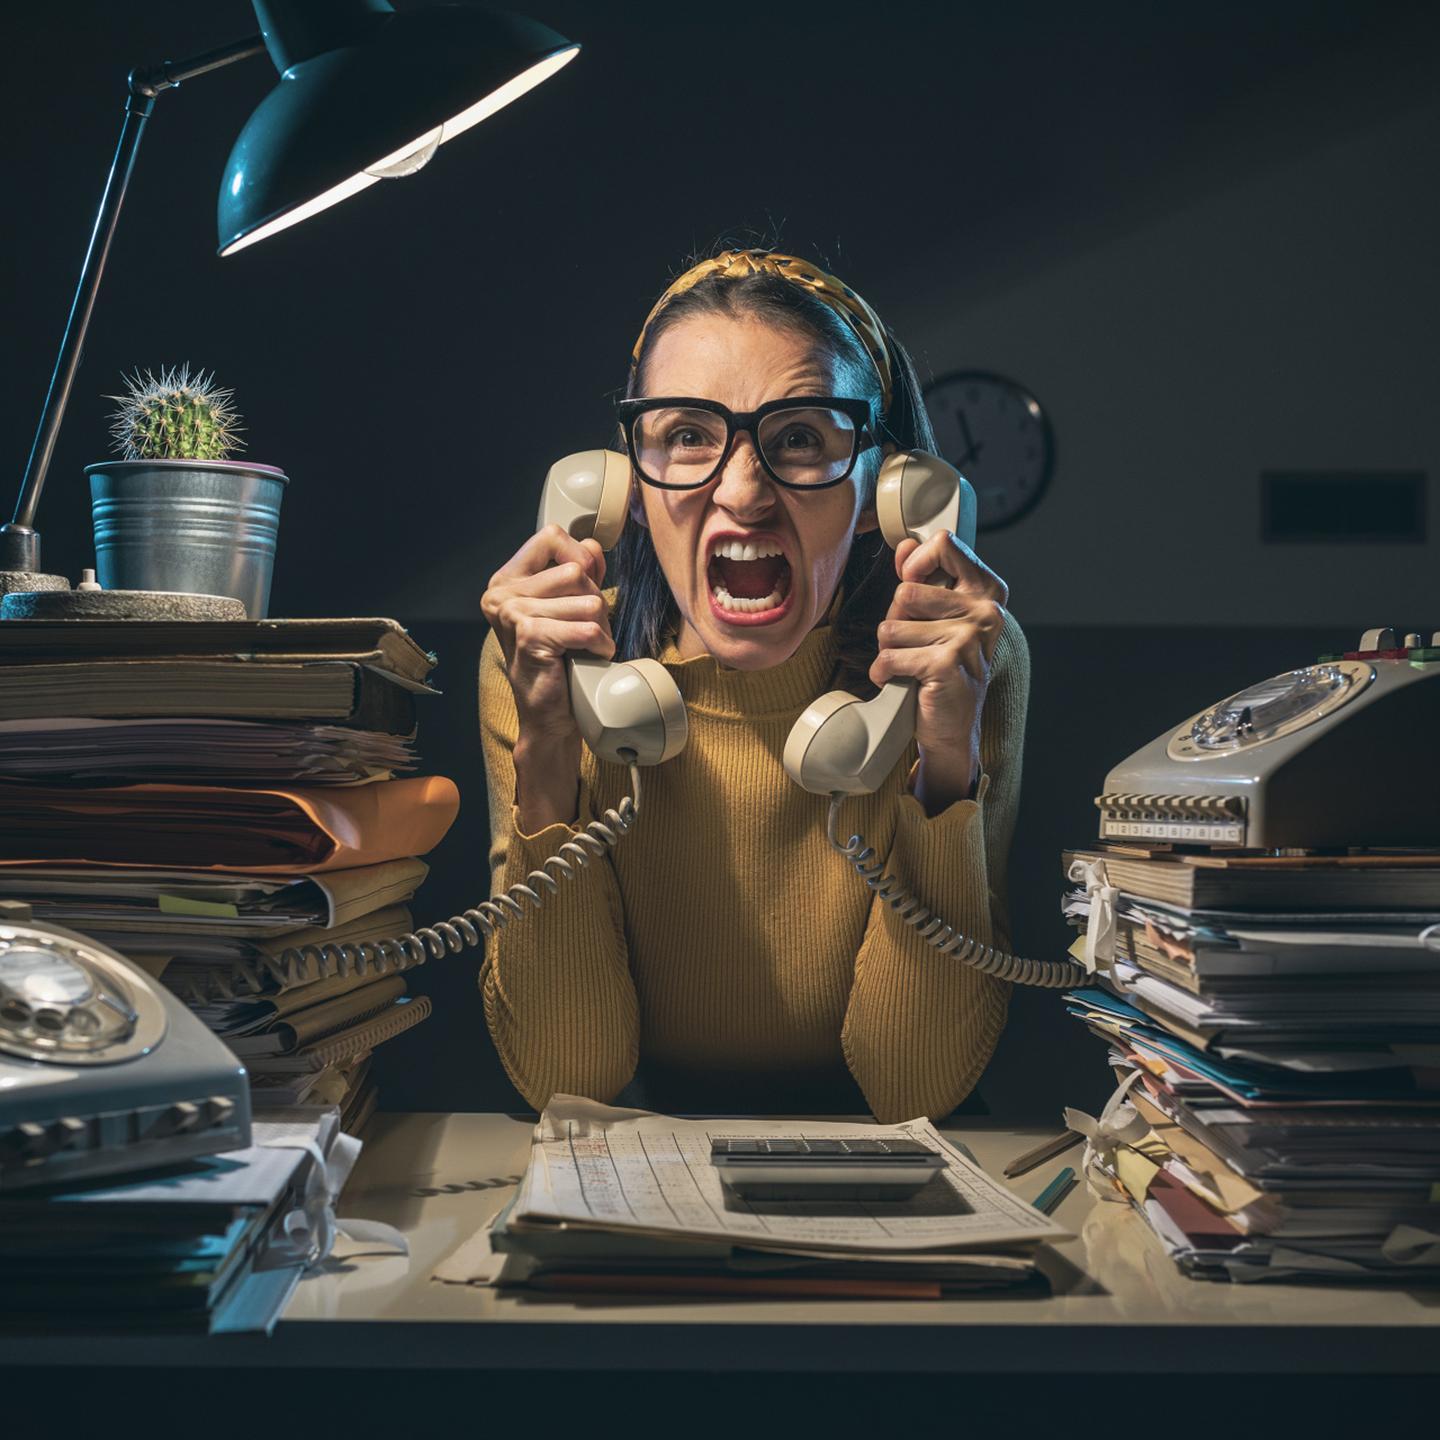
x=1342 y=882
x=368 y=641
x=339 y=691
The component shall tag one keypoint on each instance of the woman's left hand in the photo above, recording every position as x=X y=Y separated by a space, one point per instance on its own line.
x=944 y=635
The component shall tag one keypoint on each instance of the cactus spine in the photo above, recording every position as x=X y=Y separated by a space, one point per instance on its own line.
x=176 y=416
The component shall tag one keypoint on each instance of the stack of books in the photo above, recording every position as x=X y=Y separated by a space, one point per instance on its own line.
x=1274 y=1022
x=225 y=805
x=625 y=1202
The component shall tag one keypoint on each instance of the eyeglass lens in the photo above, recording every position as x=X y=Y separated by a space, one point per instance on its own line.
x=804 y=446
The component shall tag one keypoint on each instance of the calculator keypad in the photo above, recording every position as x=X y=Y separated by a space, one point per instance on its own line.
x=800 y=1147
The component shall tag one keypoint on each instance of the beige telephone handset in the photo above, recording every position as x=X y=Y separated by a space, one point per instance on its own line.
x=843 y=745
x=631 y=713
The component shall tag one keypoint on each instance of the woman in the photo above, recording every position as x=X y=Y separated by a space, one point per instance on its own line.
x=723 y=946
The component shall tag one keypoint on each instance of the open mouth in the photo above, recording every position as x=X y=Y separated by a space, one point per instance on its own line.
x=748 y=578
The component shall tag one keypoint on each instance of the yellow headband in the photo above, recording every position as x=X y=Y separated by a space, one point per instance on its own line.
x=736 y=264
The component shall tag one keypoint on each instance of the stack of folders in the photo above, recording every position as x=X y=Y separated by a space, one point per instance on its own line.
x=1275 y=1025
x=224 y=803
x=622 y=1201
x=204 y=1246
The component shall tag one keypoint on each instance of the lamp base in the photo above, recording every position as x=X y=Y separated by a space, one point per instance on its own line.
x=30 y=580
x=81 y=605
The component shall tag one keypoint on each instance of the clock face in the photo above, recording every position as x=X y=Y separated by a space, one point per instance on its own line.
x=995 y=434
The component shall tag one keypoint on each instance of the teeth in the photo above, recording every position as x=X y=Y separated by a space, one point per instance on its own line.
x=727 y=601
x=744 y=550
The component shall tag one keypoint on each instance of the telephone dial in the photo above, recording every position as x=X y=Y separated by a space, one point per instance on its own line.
x=1332 y=755
x=101 y=1069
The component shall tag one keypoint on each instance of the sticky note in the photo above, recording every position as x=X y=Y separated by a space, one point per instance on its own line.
x=1135 y=1171
x=181 y=905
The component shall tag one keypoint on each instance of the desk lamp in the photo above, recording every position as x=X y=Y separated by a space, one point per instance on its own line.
x=365 y=94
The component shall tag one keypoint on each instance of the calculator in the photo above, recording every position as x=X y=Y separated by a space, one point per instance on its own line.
x=797 y=1168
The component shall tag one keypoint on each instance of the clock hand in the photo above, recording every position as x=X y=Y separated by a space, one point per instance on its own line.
x=972 y=450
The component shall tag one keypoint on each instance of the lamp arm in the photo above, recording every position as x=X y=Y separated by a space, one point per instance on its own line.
x=156 y=78
x=19 y=540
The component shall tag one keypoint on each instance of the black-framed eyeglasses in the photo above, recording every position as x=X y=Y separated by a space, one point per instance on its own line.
x=805 y=442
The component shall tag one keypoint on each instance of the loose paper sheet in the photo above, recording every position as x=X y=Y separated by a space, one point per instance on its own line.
x=595 y=1167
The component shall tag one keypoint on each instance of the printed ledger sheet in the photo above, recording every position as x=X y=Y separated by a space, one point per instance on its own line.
x=595 y=1167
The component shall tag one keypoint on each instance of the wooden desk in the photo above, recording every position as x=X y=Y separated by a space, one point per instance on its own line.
x=1305 y=1352
x=440 y=1177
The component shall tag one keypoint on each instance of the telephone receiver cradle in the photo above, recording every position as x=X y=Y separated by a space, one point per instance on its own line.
x=632 y=711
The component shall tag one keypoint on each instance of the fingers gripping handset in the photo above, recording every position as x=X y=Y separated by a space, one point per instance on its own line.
x=845 y=745
x=630 y=711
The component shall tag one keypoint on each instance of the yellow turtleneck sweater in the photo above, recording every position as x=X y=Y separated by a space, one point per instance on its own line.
x=723 y=932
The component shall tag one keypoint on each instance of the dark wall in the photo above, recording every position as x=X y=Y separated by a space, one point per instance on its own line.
x=415 y=358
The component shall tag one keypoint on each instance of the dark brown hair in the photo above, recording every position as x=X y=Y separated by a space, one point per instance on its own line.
x=645 y=607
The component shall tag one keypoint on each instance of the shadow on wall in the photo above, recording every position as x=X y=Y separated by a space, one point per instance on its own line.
x=1098 y=694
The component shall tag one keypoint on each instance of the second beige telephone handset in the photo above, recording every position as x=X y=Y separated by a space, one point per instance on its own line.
x=843 y=745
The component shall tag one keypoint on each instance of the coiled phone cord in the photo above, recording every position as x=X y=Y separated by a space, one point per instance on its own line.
x=1051 y=974
x=301 y=964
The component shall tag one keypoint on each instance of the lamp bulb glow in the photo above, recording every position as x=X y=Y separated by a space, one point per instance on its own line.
x=407 y=161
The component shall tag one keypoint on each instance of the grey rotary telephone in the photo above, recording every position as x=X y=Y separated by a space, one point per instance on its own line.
x=631 y=713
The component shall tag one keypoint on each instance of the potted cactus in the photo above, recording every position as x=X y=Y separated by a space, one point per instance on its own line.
x=174 y=512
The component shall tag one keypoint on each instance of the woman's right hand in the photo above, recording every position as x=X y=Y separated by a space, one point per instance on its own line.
x=544 y=602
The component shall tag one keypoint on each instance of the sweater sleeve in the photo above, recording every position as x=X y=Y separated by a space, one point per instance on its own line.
x=921 y=1026
x=559 y=998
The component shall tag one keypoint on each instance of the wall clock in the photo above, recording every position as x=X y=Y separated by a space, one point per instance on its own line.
x=995 y=434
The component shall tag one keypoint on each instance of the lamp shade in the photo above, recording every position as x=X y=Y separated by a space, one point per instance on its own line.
x=375 y=106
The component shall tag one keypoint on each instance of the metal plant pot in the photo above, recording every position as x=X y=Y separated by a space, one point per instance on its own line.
x=202 y=527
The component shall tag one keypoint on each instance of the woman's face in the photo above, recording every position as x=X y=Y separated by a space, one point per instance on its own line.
x=742 y=363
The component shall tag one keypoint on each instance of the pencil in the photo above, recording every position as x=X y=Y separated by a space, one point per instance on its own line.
x=1048 y=1200
x=1046 y=1150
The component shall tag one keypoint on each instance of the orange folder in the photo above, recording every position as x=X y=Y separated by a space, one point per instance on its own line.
x=295 y=830
x=769 y=1287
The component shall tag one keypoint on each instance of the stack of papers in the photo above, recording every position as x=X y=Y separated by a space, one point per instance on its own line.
x=202 y=751
x=289 y=830
x=200 y=1247
x=222 y=804
x=1279 y=1106
x=625 y=1200
x=147 y=910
